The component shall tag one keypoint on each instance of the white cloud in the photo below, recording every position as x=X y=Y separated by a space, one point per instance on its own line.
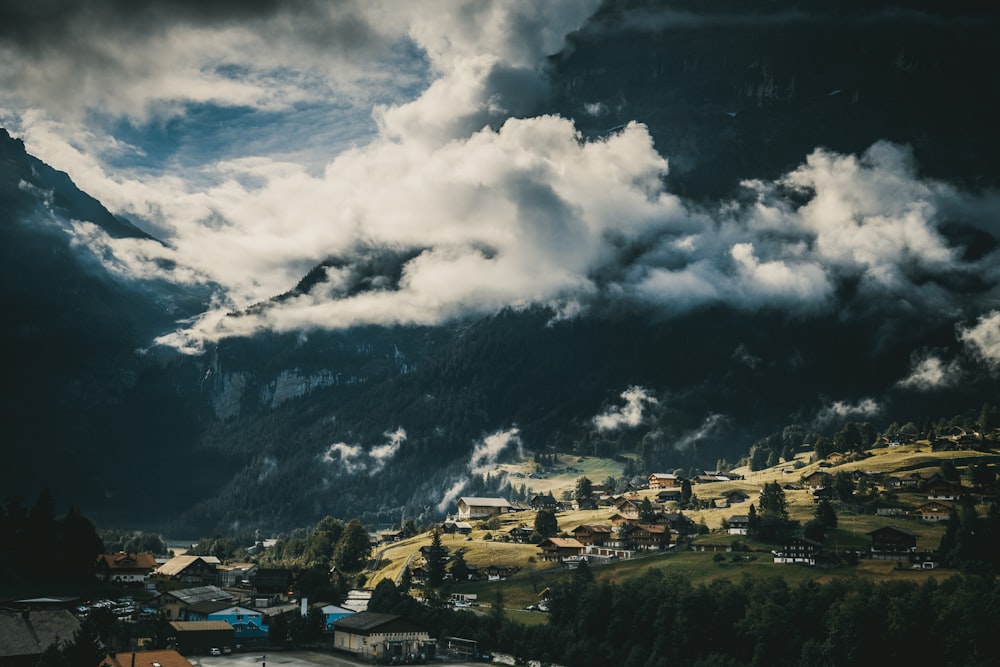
x=628 y=415
x=451 y=494
x=346 y=455
x=354 y=459
x=930 y=372
x=712 y=424
x=381 y=454
x=983 y=338
x=487 y=451
x=843 y=410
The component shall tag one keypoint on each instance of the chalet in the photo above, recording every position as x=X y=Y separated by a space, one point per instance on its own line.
x=891 y=543
x=163 y=658
x=836 y=459
x=125 y=569
x=197 y=637
x=175 y=604
x=270 y=586
x=24 y=635
x=669 y=495
x=944 y=490
x=678 y=523
x=194 y=570
x=617 y=519
x=546 y=502
x=738 y=524
x=662 y=480
x=451 y=527
x=912 y=480
x=628 y=507
x=481 y=508
x=381 y=637
x=709 y=479
x=593 y=534
x=798 y=550
x=560 y=548
x=933 y=511
x=520 y=534
x=823 y=493
x=817 y=480
x=736 y=496
x=646 y=537
x=390 y=536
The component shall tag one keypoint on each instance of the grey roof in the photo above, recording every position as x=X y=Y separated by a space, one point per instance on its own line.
x=30 y=633
x=364 y=620
x=201 y=594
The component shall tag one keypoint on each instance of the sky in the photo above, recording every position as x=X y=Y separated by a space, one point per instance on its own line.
x=259 y=139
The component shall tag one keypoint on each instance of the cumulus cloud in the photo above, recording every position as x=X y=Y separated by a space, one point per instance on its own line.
x=983 y=338
x=481 y=203
x=628 y=415
x=840 y=411
x=929 y=371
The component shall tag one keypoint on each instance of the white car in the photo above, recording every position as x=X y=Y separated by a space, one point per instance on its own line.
x=215 y=651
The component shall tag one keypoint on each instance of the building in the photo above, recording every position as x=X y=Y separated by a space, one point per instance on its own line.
x=560 y=548
x=167 y=658
x=481 y=508
x=739 y=524
x=237 y=574
x=332 y=613
x=933 y=511
x=199 y=637
x=25 y=634
x=546 y=502
x=662 y=480
x=175 y=604
x=195 y=570
x=799 y=550
x=593 y=534
x=891 y=543
x=125 y=569
x=381 y=637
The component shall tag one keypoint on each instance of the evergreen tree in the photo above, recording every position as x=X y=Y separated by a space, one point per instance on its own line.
x=825 y=514
x=435 y=560
x=546 y=523
x=584 y=492
x=352 y=548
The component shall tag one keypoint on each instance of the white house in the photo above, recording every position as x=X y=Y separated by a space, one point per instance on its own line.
x=481 y=508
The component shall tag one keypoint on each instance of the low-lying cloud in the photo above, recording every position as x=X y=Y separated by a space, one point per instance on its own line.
x=842 y=411
x=929 y=372
x=628 y=415
x=983 y=339
x=353 y=459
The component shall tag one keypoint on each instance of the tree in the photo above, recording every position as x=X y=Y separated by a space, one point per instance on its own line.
x=685 y=492
x=459 y=569
x=772 y=501
x=352 y=548
x=435 y=560
x=584 y=492
x=647 y=514
x=815 y=530
x=409 y=528
x=823 y=447
x=546 y=523
x=825 y=514
x=843 y=486
x=982 y=474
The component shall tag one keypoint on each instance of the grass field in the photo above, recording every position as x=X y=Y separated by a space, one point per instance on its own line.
x=484 y=547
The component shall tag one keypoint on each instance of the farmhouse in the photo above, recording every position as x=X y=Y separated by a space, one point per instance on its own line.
x=799 y=550
x=481 y=508
x=196 y=570
x=738 y=524
x=662 y=480
x=560 y=548
x=593 y=534
x=381 y=637
x=933 y=511
x=891 y=543
x=126 y=569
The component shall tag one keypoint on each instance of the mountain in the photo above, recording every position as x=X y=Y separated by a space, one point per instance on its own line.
x=275 y=430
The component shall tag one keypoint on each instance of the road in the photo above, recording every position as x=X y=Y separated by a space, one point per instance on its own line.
x=293 y=659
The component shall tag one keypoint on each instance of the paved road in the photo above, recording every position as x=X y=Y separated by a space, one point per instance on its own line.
x=292 y=659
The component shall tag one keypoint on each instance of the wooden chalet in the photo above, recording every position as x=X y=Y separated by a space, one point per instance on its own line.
x=560 y=548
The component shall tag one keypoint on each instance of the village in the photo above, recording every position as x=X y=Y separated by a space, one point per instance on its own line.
x=892 y=503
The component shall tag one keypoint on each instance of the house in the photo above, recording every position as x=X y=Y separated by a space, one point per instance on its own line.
x=332 y=613
x=194 y=570
x=520 y=534
x=823 y=493
x=452 y=527
x=249 y=627
x=546 y=502
x=646 y=537
x=933 y=511
x=175 y=604
x=617 y=519
x=944 y=490
x=798 y=550
x=817 y=480
x=500 y=572
x=628 y=507
x=736 y=496
x=481 y=508
x=390 y=536
x=237 y=574
x=198 y=637
x=678 y=522
x=738 y=524
x=275 y=582
x=163 y=658
x=912 y=480
x=560 y=548
x=669 y=495
x=125 y=569
x=891 y=543
x=380 y=637
x=662 y=480
x=24 y=634
x=836 y=459
x=593 y=534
